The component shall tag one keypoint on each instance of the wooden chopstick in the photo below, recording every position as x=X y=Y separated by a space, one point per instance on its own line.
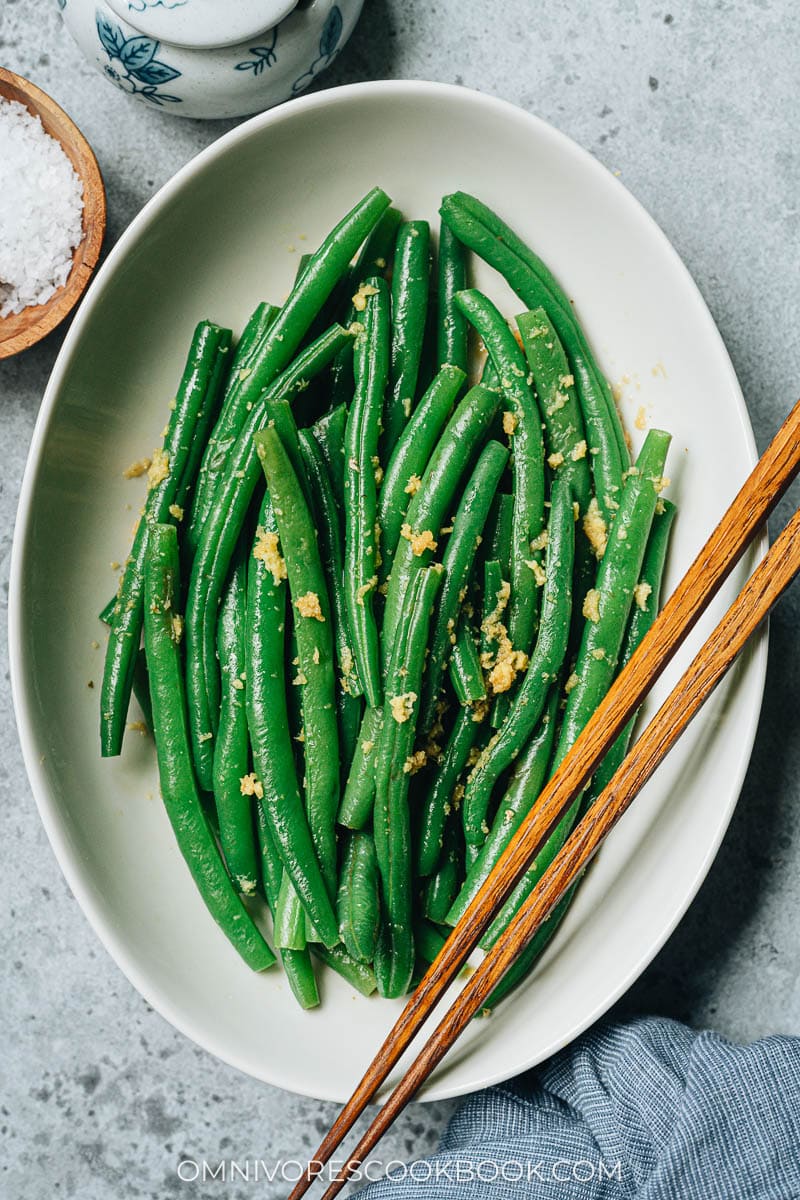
x=769 y=479
x=763 y=589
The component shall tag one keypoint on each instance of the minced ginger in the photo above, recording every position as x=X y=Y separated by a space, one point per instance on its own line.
x=402 y=706
x=251 y=785
x=309 y=606
x=420 y=542
x=595 y=528
x=266 y=550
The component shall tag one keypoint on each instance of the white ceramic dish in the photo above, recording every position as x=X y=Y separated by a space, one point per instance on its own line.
x=213 y=241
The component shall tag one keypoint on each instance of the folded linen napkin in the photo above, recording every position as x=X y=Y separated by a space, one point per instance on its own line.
x=648 y=1109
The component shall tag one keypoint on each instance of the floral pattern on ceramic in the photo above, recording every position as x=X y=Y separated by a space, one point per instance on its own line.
x=328 y=46
x=141 y=5
x=223 y=80
x=133 y=65
x=263 y=56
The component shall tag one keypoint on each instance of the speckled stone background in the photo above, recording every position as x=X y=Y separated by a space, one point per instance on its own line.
x=695 y=104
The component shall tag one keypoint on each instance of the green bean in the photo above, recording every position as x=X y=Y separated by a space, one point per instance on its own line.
x=312 y=621
x=484 y=233
x=232 y=415
x=358 y=904
x=178 y=788
x=529 y=956
x=640 y=621
x=232 y=749
x=141 y=683
x=607 y=608
x=375 y=259
x=358 y=975
x=326 y=519
x=441 y=888
x=528 y=448
x=282 y=819
x=410 y=282
x=459 y=554
x=505 y=238
x=452 y=328
x=359 y=793
x=521 y=794
x=300 y=976
x=558 y=402
x=543 y=669
x=642 y=616
x=271 y=354
x=289 y=921
x=466 y=674
x=394 y=956
x=271 y=865
x=431 y=504
x=329 y=433
x=217 y=545
x=165 y=475
x=442 y=796
x=429 y=940
x=410 y=458
x=489 y=375
x=371 y=364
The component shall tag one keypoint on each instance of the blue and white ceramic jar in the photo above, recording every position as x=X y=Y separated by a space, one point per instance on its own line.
x=209 y=58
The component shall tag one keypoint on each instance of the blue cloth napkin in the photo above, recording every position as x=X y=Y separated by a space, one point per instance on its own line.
x=648 y=1109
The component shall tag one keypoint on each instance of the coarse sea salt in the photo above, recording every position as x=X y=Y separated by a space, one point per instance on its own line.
x=41 y=206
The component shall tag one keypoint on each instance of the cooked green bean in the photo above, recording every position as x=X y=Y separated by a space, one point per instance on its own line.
x=329 y=433
x=484 y=233
x=607 y=608
x=371 y=368
x=375 y=259
x=462 y=545
x=452 y=328
x=315 y=669
x=299 y=972
x=410 y=282
x=410 y=458
x=441 y=888
x=326 y=518
x=289 y=922
x=232 y=415
x=441 y=796
x=164 y=478
x=358 y=975
x=232 y=749
x=466 y=674
x=429 y=940
x=271 y=355
x=394 y=955
x=642 y=617
x=356 y=807
x=358 y=903
x=217 y=545
x=644 y=612
x=543 y=669
x=432 y=503
x=528 y=448
x=178 y=788
x=274 y=782
x=523 y=790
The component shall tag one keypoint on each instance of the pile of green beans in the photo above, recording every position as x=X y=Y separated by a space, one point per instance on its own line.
x=376 y=618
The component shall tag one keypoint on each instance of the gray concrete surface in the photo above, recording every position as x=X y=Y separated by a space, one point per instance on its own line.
x=696 y=105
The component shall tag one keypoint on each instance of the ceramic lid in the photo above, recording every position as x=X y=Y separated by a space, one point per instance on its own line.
x=202 y=24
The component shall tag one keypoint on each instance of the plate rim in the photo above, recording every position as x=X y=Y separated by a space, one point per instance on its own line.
x=754 y=661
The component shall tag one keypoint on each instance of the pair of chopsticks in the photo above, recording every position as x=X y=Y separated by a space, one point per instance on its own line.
x=768 y=481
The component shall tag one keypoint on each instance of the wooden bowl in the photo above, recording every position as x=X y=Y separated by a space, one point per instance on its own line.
x=21 y=330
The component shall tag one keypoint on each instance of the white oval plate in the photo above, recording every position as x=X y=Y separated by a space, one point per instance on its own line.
x=224 y=233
